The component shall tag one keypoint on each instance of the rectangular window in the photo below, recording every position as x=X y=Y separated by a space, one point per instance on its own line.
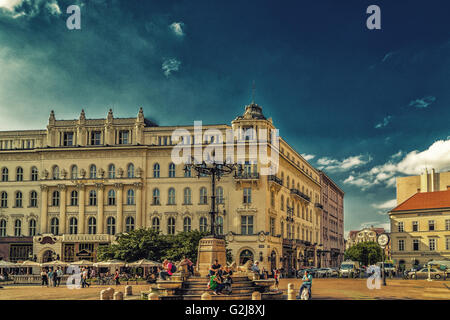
x=447 y=225
x=401 y=245
x=400 y=227
x=432 y=244
x=415 y=226
x=123 y=137
x=247 y=195
x=95 y=138
x=272 y=227
x=415 y=245
x=246 y=225
x=447 y=243
x=431 y=225
x=68 y=139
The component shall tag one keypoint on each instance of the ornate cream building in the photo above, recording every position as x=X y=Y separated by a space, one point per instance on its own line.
x=71 y=188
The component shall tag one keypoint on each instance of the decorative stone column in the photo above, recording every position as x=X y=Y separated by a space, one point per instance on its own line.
x=210 y=249
x=100 y=215
x=44 y=208
x=119 y=222
x=62 y=208
x=138 y=186
x=81 y=204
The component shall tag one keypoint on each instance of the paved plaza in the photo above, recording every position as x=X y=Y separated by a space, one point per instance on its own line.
x=340 y=289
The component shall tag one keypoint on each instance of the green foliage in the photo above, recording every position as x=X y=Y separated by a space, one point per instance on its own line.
x=149 y=244
x=366 y=253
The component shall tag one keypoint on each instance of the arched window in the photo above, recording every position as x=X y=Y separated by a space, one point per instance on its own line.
x=272 y=199
x=282 y=178
x=92 y=225
x=203 y=224
x=298 y=210
x=156 y=170
x=303 y=213
x=74 y=198
x=111 y=197
x=130 y=197
x=55 y=198
x=18 y=228
x=219 y=225
x=187 y=172
x=187 y=224
x=33 y=199
x=73 y=225
x=282 y=229
x=32 y=228
x=130 y=171
x=111 y=171
x=92 y=198
x=171 y=225
x=219 y=195
x=74 y=172
x=171 y=198
x=4 y=174
x=203 y=196
x=55 y=173
x=156 y=196
x=93 y=171
x=3 y=200
x=155 y=224
x=245 y=256
x=19 y=174
x=54 y=226
x=287 y=182
x=129 y=224
x=172 y=170
x=187 y=196
x=34 y=174
x=282 y=203
x=111 y=225
x=2 y=228
x=18 y=199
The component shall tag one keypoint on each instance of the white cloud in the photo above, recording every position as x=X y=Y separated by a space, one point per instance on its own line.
x=170 y=65
x=437 y=156
x=384 y=123
x=177 y=28
x=342 y=165
x=11 y=6
x=384 y=207
x=308 y=156
x=422 y=102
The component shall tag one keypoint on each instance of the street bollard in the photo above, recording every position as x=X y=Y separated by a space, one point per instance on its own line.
x=104 y=295
x=256 y=295
x=118 y=296
x=128 y=291
x=110 y=293
x=291 y=291
x=153 y=296
x=206 y=296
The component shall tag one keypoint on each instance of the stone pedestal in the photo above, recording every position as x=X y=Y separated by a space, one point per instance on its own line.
x=210 y=249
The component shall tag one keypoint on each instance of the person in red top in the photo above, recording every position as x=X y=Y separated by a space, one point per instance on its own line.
x=167 y=272
x=116 y=277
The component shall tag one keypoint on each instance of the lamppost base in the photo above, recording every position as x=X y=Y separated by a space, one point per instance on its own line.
x=210 y=249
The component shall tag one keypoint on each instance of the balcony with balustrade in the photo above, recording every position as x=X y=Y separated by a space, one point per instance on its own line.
x=300 y=195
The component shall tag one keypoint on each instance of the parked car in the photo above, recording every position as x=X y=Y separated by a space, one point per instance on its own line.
x=388 y=267
x=349 y=268
x=332 y=272
x=321 y=273
x=423 y=274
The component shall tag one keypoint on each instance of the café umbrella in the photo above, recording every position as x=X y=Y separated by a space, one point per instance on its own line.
x=144 y=263
x=55 y=263
x=83 y=263
x=110 y=263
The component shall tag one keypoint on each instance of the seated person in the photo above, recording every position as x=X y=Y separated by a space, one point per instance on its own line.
x=189 y=264
x=168 y=270
x=227 y=279
x=255 y=269
x=215 y=283
x=215 y=267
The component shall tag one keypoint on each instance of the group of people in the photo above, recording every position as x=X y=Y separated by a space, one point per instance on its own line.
x=168 y=268
x=220 y=278
x=51 y=277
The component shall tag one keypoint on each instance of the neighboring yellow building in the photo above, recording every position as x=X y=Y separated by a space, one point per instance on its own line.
x=420 y=228
x=71 y=188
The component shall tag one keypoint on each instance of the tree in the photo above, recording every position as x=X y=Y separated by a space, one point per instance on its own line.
x=152 y=245
x=366 y=253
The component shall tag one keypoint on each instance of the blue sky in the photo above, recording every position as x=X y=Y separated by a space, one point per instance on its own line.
x=364 y=105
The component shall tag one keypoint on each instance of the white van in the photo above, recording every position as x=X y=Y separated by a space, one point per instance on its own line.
x=349 y=268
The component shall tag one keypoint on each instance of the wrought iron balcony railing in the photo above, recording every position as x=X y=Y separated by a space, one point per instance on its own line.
x=275 y=179
x=247 y=175
x=300 y=194
x=318 y=205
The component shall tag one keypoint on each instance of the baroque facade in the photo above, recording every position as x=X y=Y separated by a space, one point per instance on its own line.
x=73 y=187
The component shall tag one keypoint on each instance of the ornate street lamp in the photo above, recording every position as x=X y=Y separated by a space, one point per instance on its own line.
x=215 y=171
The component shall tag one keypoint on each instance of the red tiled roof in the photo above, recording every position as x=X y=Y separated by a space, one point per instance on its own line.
x=425 y=200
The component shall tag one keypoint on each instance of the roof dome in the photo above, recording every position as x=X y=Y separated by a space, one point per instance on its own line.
x=252 y=111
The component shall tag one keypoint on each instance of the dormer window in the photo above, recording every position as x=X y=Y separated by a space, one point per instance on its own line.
x=95 y=138
x=68 y=139
x=123 y=137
